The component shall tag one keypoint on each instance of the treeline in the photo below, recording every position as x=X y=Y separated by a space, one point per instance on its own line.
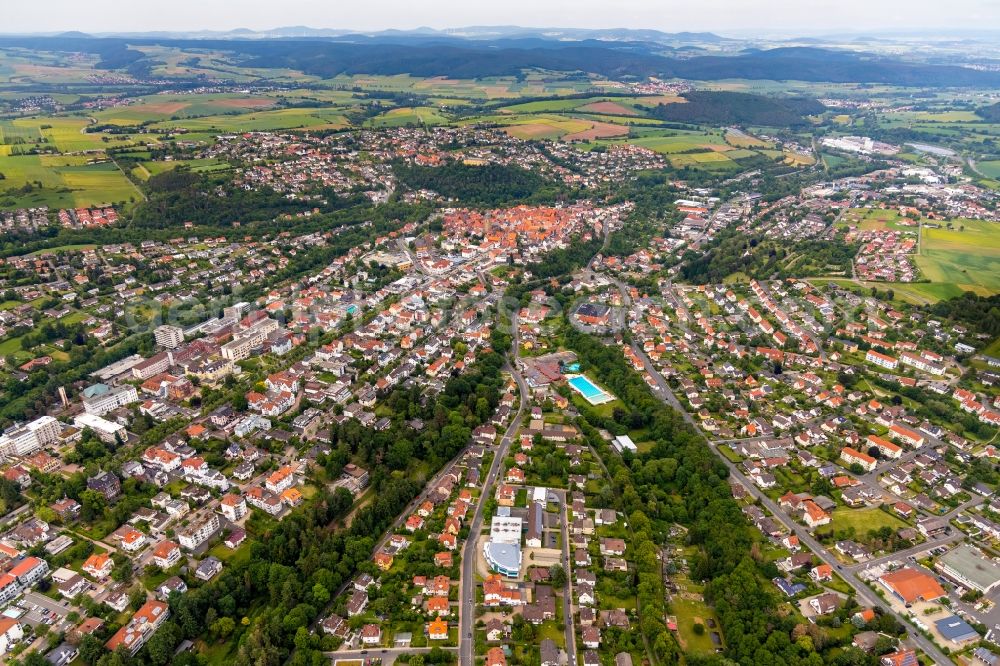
x=732 y=108
x=680 y=481
x=990 y=114
x=488 y=185
x=980 y=314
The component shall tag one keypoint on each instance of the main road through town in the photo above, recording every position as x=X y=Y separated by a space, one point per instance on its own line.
x=467 y=595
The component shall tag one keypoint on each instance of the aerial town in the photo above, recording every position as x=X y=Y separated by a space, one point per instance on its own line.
x=569 y=379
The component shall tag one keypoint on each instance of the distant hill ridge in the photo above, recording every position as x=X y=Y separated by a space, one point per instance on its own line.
x=443 y=55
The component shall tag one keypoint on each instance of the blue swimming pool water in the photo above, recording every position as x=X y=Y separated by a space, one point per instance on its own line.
x=585 y=387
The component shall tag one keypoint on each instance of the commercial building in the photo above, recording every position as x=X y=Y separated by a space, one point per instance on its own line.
x=100 y=399
x=533 y=538
x=505 y=529
x=503 y=558
x=968 y=567
x=107 y=431
x=955 y=630
x=910 y=585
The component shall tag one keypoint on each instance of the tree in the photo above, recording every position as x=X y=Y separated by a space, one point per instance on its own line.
x=320 y=594
x=160 y=646
x=557 y=575
x=91 y=649
x=223 y=627
x=92 y=504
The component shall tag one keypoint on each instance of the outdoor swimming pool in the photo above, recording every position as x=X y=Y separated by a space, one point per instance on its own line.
x=590 y=391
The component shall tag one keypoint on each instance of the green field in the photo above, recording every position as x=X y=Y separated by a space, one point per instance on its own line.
x=147 y=169
x=863 y=520
x=262 y=121
x=990 y=168
x=917 y=293
x=689 y=613
x=62 y=181
x=968 y=255
x=65 y=133
x=418 y=115
x=869 y=219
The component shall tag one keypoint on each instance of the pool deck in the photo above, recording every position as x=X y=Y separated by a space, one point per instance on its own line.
x=602 y=396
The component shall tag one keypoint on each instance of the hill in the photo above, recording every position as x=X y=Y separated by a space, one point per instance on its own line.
x=455 y=57
x=990 y=113
x=731 y=108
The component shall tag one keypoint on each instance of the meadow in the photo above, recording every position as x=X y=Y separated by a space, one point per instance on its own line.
x=418 y=115
x=967 y=255
x=65 y=133
x=870 y=219
x=261 y=121
x=989 y=168
x=62 y=181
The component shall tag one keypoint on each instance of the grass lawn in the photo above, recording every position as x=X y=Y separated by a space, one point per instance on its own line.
x=689 y=613
x=551 y=630
x=232 y=557
x=218 y=653
x=863 y=520
x=731 y=455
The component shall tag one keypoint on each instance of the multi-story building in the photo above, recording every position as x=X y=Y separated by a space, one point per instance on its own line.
x=166 y=554
x=881 y=360
x=140 y=628
x=233 y=507
x=105 y=483
x=25 y=439
x=106 y=431
x=101 y=399
x=240 y=347
x=21 y=576
x=152 y=366
x=169 y=336
x=199 y=532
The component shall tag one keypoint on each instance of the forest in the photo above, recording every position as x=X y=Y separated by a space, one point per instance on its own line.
x=729 y=108
x=734 y=252
x=981 y=314
x=178 y=196
x=489 y=185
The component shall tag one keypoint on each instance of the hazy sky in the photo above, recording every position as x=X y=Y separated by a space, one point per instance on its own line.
x=815 y=16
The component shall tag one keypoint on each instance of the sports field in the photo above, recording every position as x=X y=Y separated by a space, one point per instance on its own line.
x=967 y=255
